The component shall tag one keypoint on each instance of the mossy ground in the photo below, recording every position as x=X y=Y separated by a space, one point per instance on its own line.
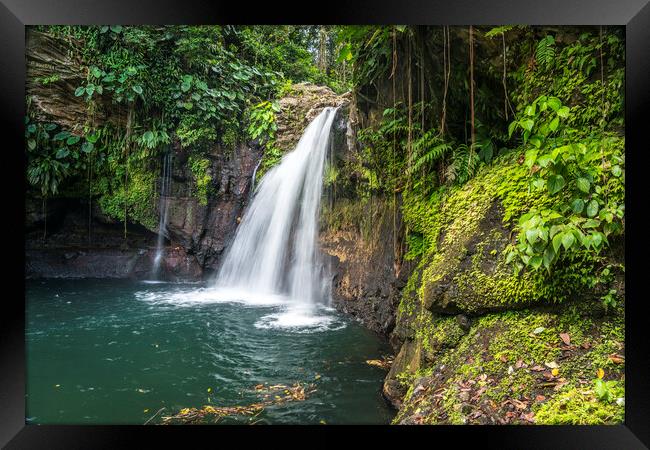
x=515 y=367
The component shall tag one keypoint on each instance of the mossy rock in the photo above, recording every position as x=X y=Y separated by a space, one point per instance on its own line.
x=519 y=367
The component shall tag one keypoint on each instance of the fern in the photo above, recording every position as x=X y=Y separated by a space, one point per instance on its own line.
x=497 y=31
x=426 y=150
x=464 y=164
x=545 y=52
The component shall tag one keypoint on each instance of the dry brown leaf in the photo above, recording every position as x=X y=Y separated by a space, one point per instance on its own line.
x=617 y=359
x=565 y=338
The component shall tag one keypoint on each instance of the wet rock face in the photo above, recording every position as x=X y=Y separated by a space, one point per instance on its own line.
x=205 y=231
x=365 y=281
x=300 y=106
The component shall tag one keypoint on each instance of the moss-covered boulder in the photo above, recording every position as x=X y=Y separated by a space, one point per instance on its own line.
x=472 y=333
x=516 y=367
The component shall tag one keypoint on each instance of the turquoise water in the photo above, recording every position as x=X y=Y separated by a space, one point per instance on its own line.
x=116 y=352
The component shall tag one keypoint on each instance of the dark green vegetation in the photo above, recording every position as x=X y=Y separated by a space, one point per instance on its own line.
x=140 y=90
x=499 y=152
x=503 y=151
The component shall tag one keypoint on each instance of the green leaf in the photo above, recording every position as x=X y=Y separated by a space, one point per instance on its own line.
x=527 y=124
x=555 y=183
x=86 y=147
x=577 y=205
x=583 y=184
x=554 y=124
x=79 y=91
x=137 y=89
x=92 y=137
x=545 y=160
x=557 y=241
x=563 y=112
x=554 y=103
x=568 y=240
x=592 y=208
x=31 y=144
x=72 y=140
x=116 y=29
x=549 y=256
x=62 y=153
x=532 y=235
x=596 y=238
x=617 y=171
x=536 y=262
x=531 y=156
x=591 y=223
x=511 y=129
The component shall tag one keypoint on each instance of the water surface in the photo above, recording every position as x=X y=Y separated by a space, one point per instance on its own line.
x=116 y=352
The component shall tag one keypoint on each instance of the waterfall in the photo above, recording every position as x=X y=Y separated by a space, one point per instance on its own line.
x=163 y=209
x=253 y=178
x=275 y=249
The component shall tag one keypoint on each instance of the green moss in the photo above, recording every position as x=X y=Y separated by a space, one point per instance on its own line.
x=437 y=333
x=139 y=196
x=509 y=355
x=580 y=406
x=202 y=178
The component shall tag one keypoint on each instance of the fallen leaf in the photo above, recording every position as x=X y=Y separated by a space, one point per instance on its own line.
x=555 y=372
x=551 y=365
x=565 y=338
x=537 y=368
x=503 y=358
x=519 y=364
x=530 y=417
x=600 y=373
x=540 y=398
x=538 y=330
x=617 y=359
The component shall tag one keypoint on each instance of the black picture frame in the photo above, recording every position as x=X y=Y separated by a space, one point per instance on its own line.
x=16 y=14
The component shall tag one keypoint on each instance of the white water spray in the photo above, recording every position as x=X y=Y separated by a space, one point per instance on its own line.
x=163 y=210
x=275 y=250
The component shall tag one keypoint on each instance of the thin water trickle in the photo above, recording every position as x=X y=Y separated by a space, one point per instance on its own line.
x=163 y=209
x=275 y=249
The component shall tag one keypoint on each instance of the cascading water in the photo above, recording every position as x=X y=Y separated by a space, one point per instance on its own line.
x=275 y=250
x=163 y=210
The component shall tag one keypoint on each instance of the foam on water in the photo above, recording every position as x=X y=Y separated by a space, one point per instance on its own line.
x=206 y=296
